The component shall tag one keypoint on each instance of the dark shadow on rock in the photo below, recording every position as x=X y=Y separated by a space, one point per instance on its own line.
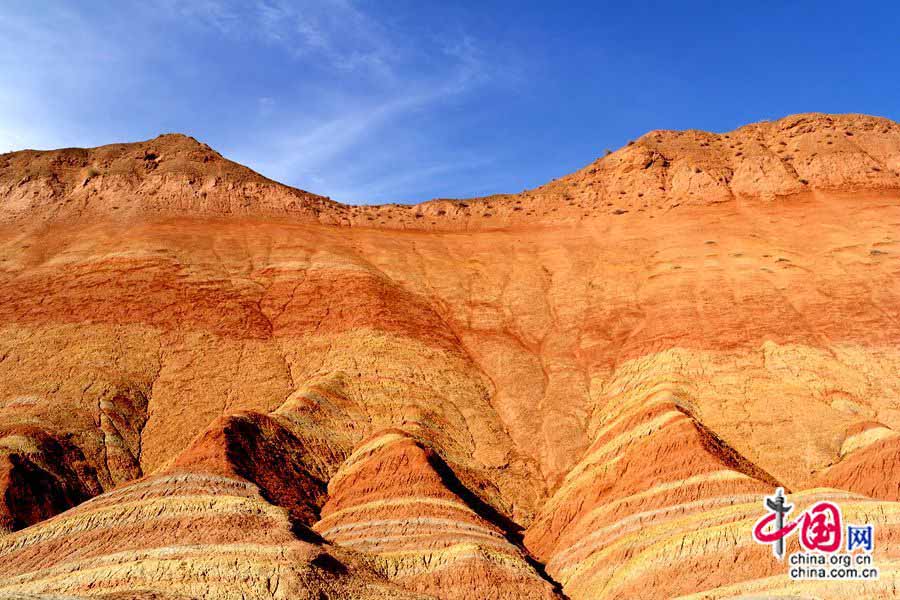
x=512 y=531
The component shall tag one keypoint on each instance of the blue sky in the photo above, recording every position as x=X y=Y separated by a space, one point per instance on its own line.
x=405 y=101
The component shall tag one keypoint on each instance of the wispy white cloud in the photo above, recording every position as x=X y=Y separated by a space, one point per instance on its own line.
x=45 y=66
x=340 y=143
x=334 y=32
x=342 y=102
x=222 y=16
x=303 y=146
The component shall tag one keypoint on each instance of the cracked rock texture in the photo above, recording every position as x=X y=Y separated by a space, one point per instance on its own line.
x=216 y=386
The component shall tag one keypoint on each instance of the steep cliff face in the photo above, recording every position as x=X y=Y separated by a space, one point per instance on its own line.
x=213 y=385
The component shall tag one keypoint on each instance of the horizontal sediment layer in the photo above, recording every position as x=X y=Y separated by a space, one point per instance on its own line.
x=216 y=386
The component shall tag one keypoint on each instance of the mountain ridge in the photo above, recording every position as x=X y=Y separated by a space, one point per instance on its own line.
x=176 y=175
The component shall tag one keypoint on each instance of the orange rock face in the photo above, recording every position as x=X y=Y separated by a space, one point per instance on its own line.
x=215 y=386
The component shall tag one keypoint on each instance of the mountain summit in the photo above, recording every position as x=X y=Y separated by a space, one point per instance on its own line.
x=175 y=175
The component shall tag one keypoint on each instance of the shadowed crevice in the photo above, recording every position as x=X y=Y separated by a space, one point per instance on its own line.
x=512 y=531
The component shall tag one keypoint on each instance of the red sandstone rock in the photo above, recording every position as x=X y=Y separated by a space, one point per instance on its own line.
x=397 y=500
x=585 y=388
